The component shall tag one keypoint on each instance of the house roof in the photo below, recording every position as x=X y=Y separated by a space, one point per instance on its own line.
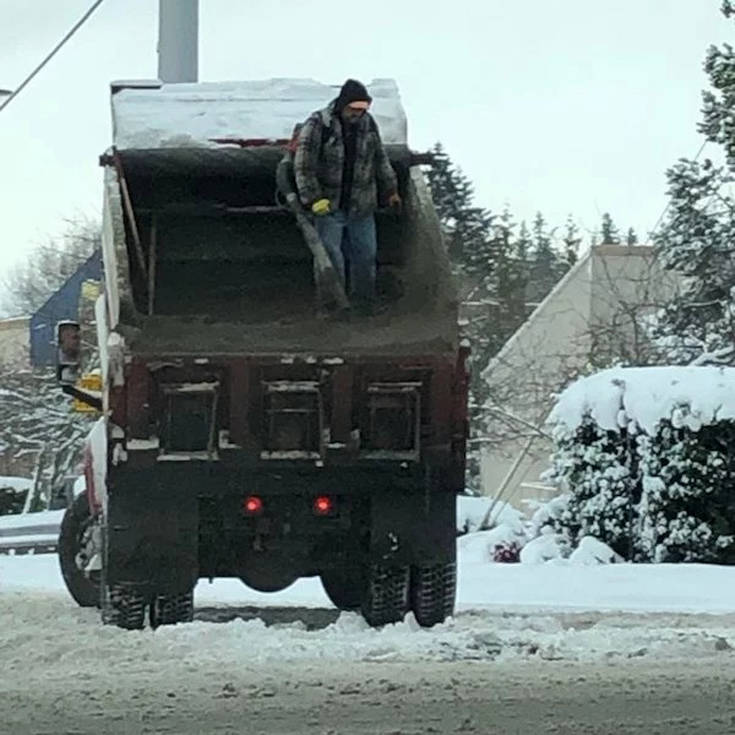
x=603 y=252
x=16 y=322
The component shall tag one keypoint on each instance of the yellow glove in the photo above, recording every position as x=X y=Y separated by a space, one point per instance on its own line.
x=321 y=207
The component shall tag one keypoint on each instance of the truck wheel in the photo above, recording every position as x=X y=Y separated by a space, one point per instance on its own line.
x=172 y=609
x=344 y=587
x=433 y=587
x=123 y=607
x=385 y=594
x=76 y=547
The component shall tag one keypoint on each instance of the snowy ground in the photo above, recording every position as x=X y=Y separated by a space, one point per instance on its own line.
x=526 y=637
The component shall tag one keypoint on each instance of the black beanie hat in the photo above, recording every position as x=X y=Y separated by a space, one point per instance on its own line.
x=352 y=91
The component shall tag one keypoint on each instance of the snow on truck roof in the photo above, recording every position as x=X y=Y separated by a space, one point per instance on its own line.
x=149 y=115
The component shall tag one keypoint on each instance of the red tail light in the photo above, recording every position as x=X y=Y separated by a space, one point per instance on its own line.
x=323 y=505
x=253 y=505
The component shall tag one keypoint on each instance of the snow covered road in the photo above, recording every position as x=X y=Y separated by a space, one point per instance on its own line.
x=531 y=649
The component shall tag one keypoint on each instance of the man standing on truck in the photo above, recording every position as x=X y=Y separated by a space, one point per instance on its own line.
x=342 y=173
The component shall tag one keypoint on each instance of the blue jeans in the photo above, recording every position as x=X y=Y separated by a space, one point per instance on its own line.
x=351 y=239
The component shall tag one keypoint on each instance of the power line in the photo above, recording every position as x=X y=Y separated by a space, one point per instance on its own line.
x=53 y=53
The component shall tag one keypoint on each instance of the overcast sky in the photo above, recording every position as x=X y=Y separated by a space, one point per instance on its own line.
x=563 y=106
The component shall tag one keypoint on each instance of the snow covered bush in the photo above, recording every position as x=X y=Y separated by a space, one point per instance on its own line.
x=513 y=538
x=596 y=466
x=591 y=551
x=687 y=508
x=647 y=458
x=546 y=547
x=546 y=514
x=505 y=537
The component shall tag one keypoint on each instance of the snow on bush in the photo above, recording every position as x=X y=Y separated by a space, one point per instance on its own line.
x=592 y=462
x=546 y=514
x=547 y=547
x=591 y=551
x=505 y=537
x=687 y=512
x=516 y=539
x=645 y=456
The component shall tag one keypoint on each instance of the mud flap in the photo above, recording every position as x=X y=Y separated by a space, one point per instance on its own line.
x=413 y=528
x=152 y=541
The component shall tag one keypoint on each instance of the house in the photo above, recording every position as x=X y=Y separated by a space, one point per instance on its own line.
x=593 y=315
x=14 y=341
x=62 y=304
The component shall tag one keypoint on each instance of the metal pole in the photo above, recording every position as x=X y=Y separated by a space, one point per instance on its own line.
x=178 y=41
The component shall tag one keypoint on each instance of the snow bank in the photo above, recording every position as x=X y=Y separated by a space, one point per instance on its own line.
x=190 y=115
x=547 y=547
x=615 y=398
x=481 y=547
x=471 y=510
x=593 y=551
x=558 y=585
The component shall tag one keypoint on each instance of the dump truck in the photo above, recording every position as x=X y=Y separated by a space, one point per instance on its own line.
x=242 y=433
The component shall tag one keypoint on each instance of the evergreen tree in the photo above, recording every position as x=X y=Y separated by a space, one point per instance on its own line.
x=502 y=270
x=595 y=466
x=571 y=241
x=609 y=232
x=522 y=254
x=546 y=266
x=697 y=235
x=687 y=507
x=631 y=238
x=509 y=282
x=466 y=227
x=450 y=198
x=661 y=494
x=468 y=232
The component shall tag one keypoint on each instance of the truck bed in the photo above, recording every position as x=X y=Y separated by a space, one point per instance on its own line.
x=390 y=332
x=231 y=274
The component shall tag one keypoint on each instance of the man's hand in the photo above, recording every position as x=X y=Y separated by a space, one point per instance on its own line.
x=321 y=207
x=395 y=201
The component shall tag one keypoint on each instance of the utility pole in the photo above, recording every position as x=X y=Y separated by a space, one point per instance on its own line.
x=178 y=41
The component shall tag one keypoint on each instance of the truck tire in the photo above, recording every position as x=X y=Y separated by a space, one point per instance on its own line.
x=123 y=606
x=172 y=609
x=74 y=525
x=433 y=588
x=385 y=594
x=344 y=587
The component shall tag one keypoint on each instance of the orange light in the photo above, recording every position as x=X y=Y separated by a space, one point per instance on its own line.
x=323 y=505
x=253 y=505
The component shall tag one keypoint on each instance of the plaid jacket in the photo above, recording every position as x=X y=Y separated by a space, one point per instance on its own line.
x=319 y=162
